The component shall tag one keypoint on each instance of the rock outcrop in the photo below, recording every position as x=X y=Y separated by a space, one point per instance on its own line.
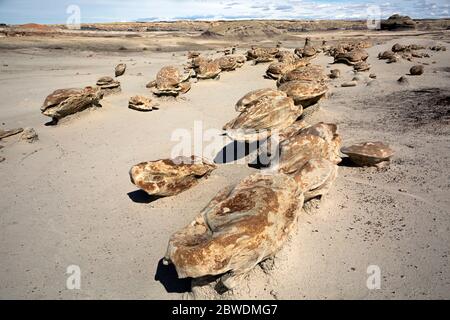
x=398 y=22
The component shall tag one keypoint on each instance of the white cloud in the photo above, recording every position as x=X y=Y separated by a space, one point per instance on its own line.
x=53 y=11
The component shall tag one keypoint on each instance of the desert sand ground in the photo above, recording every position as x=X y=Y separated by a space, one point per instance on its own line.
x=67 y=198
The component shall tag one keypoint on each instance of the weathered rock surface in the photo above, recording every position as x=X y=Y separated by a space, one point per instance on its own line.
x=319 y=141
x=239 y=228
x=368 y=153
x=168 y=177
x=361 y=66
x=171 y=81
x=108 y=85
x=63 y=102
x=253 y=96
x=262 y=55
x=258 y=120
x=316 y=177
x=209 y=69
x=228 y=63
x=141 y=103
x=416 y=70
x=120 y=69
x=304 y=92
x=351 y=57
x=313 y=73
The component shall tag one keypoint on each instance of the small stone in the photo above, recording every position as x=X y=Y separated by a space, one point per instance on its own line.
x=349 y=84
x=416 y=70
x=29 y=135
x=372 y=76
x=403 y=80
x=335 y=73
x=120 y=69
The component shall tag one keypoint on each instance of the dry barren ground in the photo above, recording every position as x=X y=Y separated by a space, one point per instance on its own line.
x=67 y=198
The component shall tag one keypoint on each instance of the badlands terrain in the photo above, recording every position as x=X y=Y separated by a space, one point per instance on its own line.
x=67 y=198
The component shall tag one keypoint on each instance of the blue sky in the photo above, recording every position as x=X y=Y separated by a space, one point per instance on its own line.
x=54 y=11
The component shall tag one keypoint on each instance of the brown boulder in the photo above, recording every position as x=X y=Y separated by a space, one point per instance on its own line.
x=63 y=102
x=416 y=70
x=120 y=69
x=141 y=103
x=168 y=177
x=368 y=153
x=239 y=228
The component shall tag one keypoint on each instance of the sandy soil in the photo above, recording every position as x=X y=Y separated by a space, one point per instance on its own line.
x=67 y=199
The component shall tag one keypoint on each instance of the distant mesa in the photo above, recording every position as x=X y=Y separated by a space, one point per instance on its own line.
x=242 y=30
x=398 y=22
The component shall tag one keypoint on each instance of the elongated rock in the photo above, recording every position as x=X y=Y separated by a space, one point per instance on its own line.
x=168 y=177
x=120 y=69
x=368 y=153
x=239 y=228
x=63 y=102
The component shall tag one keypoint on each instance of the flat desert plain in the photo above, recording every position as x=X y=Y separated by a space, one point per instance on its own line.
x=67 y=198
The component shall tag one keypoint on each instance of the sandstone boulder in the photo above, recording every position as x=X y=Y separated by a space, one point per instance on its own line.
x=63 y=102
x=259 y=119
x=171 y=81
x=108 y=85
x=416 y=70
x=253 y=96
x=141 y=103
x=316 y=177
x=168 y=177
x=120 y=69
x=239 y=228
x=368 y=153
x=305 y=93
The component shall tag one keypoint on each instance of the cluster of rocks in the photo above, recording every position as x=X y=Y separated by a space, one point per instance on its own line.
x=406 y=52
x=173 y=80
x=108 y=85
x=262 y=55
x=259 y=212
x=287 y=61
x=170 y=81
x=352 y=54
